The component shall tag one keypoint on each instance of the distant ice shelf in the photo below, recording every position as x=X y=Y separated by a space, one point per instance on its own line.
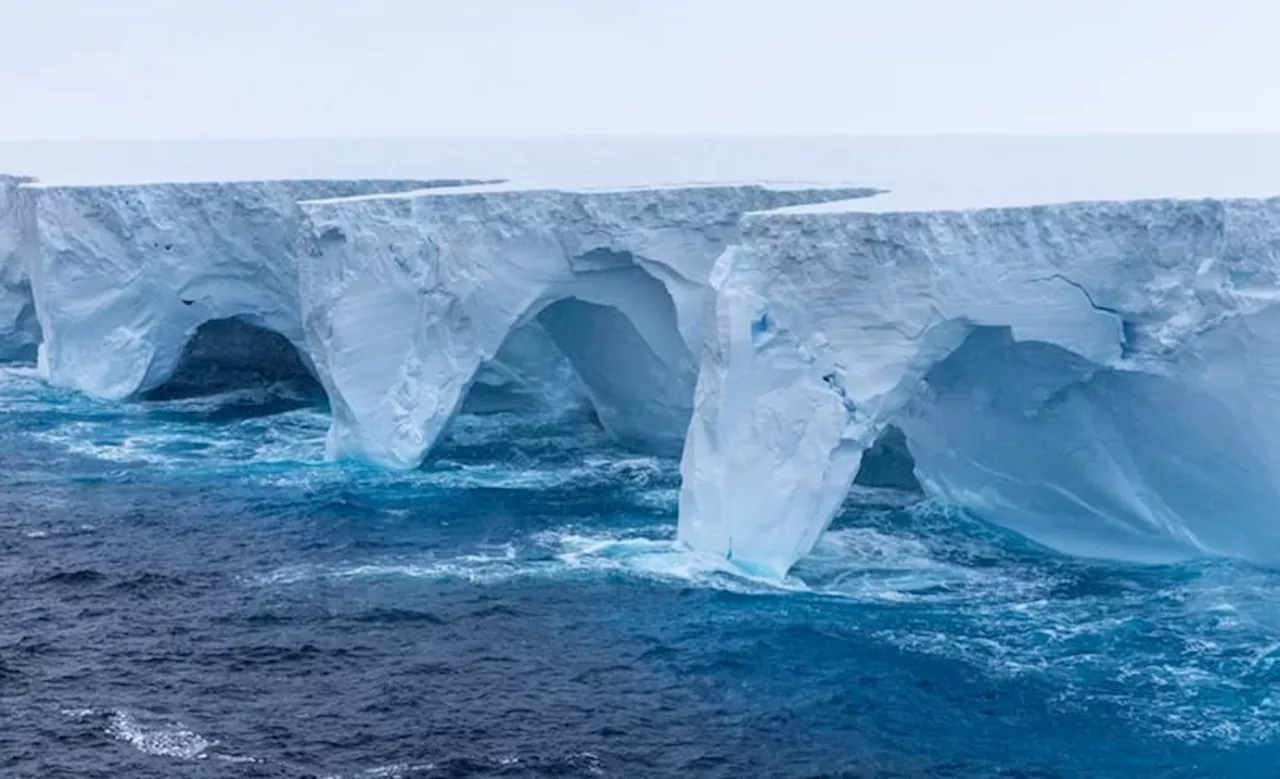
x=1103 y=377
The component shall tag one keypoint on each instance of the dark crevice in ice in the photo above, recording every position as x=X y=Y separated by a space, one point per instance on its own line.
x=888 y=463
x=230 y=354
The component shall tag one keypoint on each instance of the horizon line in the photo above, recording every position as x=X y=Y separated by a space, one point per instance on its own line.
x=1012 y=135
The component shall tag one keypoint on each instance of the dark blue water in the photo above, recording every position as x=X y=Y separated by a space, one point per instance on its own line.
x=186 y=589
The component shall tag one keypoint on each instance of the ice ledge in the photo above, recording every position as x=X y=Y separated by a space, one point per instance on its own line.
x=846 y=191
x=972 y=196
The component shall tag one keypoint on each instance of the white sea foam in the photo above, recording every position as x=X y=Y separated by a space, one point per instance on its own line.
x=392 y=771
x=1190 y=661
x=77 y=714
x=858 y=564
x=164 y=739
x=1206 y=676
x=157 y=736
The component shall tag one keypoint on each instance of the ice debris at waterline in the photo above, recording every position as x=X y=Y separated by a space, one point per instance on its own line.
x=1100 y=376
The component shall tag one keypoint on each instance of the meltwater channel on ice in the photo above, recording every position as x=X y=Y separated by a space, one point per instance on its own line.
x=1078 y=347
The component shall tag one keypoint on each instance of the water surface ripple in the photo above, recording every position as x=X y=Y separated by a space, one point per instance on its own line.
x=188 y=589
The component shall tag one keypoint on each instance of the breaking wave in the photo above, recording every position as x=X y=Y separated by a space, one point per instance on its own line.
x=540 y=526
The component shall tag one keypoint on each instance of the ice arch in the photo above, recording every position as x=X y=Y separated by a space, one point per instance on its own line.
x=1138 y=336
x=405 y=296
x=123 y=276
x=228 y=354
x=615 y=323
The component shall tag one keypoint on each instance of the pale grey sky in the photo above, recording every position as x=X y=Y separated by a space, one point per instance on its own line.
x=379 y=68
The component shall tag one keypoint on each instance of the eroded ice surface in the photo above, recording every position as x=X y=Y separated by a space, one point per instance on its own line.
x=1100 y=376
x=19 y=330
x=124 y=275
x=406 y=296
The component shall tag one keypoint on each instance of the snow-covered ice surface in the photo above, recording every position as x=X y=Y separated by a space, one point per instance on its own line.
x=124 y=275
x=19 y=330
x=1008 y=169
x=1099 y=376
x=406 y=296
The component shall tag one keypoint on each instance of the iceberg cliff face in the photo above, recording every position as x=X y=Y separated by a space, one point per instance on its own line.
x=405 y=297
x=19 y=329
x=1102 y=377
x=124 y=275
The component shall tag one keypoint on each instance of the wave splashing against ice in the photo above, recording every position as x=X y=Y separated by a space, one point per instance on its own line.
x=525 y=589
x=1187 y=653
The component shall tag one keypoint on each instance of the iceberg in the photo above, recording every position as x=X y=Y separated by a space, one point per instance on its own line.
x=1102 y=377
x=19 y=329
x=405 y=297
x=123 y=277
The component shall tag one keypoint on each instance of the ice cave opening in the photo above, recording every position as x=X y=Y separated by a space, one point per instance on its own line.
x=576 y=361
x=1091 y=460
x=224 y=355
x=529 y=375
x=888 y=463
x=639 y=384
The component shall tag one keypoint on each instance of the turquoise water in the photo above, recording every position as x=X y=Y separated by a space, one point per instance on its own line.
x=188 y=589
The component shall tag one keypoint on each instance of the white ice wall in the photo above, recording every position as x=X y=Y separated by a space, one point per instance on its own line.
x=19 y=330
x=405 y=297
x=1143 y=364
x=123 y=275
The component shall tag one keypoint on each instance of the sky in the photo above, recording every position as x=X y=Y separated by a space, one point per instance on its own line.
x=149 y=69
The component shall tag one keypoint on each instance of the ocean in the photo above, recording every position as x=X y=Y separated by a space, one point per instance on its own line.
x=188 y=589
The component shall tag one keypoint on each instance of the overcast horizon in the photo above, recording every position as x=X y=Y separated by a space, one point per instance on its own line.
x=502 y=69
x=658 y=136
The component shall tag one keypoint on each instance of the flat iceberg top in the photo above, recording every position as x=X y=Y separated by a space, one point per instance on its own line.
x=945 y=198
x=218 y=186
x=525 y=189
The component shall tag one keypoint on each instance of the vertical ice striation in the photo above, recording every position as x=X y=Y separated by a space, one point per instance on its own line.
x=19 y=329
x=1099 y=376
x=405 y=297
